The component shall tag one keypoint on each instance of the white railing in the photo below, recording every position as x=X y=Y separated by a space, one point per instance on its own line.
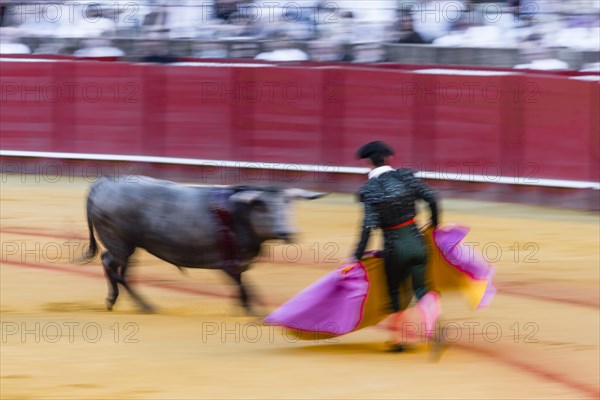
x=507 y=180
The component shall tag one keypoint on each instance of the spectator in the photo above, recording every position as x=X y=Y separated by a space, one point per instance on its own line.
x=185 y=18
x=292 y=24
x=155 y=20
x=344 y=31
x=32 y=21
x=242 y=26
x=297 y=25
x=282 y=50
x=10 y=43
x=325 y=50
x=94 y=24
x=406 y=31
x=3 y=13
x=208 y=30
x=156 y=51
x=99 y=48
x=225 y=9
x=321 y=20
x=436 y=18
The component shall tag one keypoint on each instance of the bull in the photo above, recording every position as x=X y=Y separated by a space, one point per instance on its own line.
x=187 y=226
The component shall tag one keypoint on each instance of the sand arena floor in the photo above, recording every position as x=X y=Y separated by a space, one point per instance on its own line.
x=539 y=339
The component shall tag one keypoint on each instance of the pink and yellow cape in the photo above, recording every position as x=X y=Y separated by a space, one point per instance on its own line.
x=354 y=296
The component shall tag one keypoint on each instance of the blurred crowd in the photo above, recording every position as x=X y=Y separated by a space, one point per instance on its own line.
x=318 y=30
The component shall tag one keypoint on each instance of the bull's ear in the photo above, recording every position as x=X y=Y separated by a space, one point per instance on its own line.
x=245 y=196
x=303 y=194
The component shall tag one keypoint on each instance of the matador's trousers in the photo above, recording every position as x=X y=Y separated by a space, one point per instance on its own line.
x=405 y=256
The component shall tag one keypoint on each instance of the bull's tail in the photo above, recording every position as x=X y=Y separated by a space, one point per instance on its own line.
x=92 y=249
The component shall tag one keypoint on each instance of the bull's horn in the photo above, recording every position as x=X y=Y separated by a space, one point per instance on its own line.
x=303 y=194
x=245 y=196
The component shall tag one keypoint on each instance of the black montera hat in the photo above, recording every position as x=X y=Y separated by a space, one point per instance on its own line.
x=374 y=147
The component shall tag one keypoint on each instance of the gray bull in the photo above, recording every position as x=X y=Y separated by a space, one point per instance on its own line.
x=192 y=227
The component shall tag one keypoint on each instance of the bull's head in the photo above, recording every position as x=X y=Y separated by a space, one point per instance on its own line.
x=269 y=209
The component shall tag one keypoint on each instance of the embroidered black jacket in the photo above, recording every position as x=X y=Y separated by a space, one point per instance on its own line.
x=389 y=200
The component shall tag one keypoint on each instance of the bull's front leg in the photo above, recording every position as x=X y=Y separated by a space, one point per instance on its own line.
x=234 y=271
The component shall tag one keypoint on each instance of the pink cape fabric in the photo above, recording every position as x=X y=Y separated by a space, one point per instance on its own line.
x=335 y=303
x=331 y=305
x=464 y=258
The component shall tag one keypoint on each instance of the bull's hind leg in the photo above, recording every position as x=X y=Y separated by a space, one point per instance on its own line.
x=110 y=271
x=123 y=281
x=115 y=270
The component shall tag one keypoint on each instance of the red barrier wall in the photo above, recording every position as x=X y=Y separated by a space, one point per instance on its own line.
x=29 y=115
x=107 y=115
x=528 y=126
x=194 y=121
x=559 y=132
